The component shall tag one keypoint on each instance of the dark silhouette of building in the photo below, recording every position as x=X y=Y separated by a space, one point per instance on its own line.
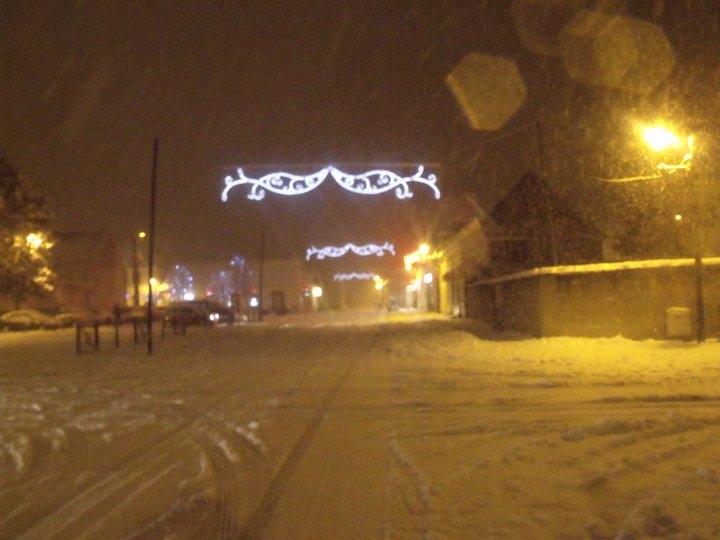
x=90 y=271
x=541 y=229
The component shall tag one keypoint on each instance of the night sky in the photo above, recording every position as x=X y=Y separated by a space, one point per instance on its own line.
x=86 y=86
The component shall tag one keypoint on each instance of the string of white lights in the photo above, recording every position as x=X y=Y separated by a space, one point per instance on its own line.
x=368 y=183
x=348 y=276
x=339 y=251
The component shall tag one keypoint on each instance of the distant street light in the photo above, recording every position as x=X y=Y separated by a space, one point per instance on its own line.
x=660 y=139
x=380 y=283
x=381 y=288
x=422 y=263
x=316 y=292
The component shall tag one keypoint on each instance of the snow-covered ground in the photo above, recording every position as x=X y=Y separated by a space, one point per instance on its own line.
x=369 y=426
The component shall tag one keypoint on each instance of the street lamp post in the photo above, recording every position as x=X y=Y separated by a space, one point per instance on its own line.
x=136 y=268
x=699 y=298
x=660 y=138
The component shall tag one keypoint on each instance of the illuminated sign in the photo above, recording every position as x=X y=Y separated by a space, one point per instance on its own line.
x=349 y=276
x=339 y=251
x=422 y=254
x=369 y=183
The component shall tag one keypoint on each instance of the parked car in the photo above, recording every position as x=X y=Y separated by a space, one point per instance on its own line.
x=215 y=312
x=28 y=319
x=197 y=312
x=84 y=316
x=139 y=314
x=185 y=314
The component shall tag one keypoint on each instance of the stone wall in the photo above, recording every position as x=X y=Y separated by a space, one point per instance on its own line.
x=629 y=299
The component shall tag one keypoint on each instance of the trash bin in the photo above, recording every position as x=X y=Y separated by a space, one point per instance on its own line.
x=678 y=322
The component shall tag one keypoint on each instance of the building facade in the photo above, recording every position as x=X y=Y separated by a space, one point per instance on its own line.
x=90 y=272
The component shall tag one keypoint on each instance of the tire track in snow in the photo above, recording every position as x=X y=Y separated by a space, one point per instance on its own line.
x=255 y=526
x=596 y=452
x=93 y=511
x=231 y=456
x=33 y=508
x=147 y=469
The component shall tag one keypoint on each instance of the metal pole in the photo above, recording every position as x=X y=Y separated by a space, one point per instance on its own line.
x=151 y=246
x=546 y=189
x=699 y=286
x=135 y=271
x=699 y=299
x=261 y=276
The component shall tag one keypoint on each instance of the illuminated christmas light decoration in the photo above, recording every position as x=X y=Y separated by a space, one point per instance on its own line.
x=281 y=183
x=380 y=181
x=349 y=276
x=369 y=183
x=339 y=251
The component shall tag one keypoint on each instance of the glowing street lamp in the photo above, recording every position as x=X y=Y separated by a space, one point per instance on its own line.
x=660 y=138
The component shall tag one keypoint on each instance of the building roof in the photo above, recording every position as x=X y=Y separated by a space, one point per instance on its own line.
x=467 y=249
x=543 y=191
x=606 y=206
x=597 y=268
x=613 y=206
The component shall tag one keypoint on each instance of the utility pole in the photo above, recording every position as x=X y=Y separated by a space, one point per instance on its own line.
x=699 y=299
x=135 y=271
x=151 y=247
x=260 y=276
x=546 y=189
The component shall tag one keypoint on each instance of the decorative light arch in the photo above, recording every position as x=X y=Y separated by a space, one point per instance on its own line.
x=372 y=182
x=349 y=276
x=339 y=251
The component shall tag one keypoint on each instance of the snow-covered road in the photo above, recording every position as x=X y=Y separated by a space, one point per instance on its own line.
x=379 y=427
